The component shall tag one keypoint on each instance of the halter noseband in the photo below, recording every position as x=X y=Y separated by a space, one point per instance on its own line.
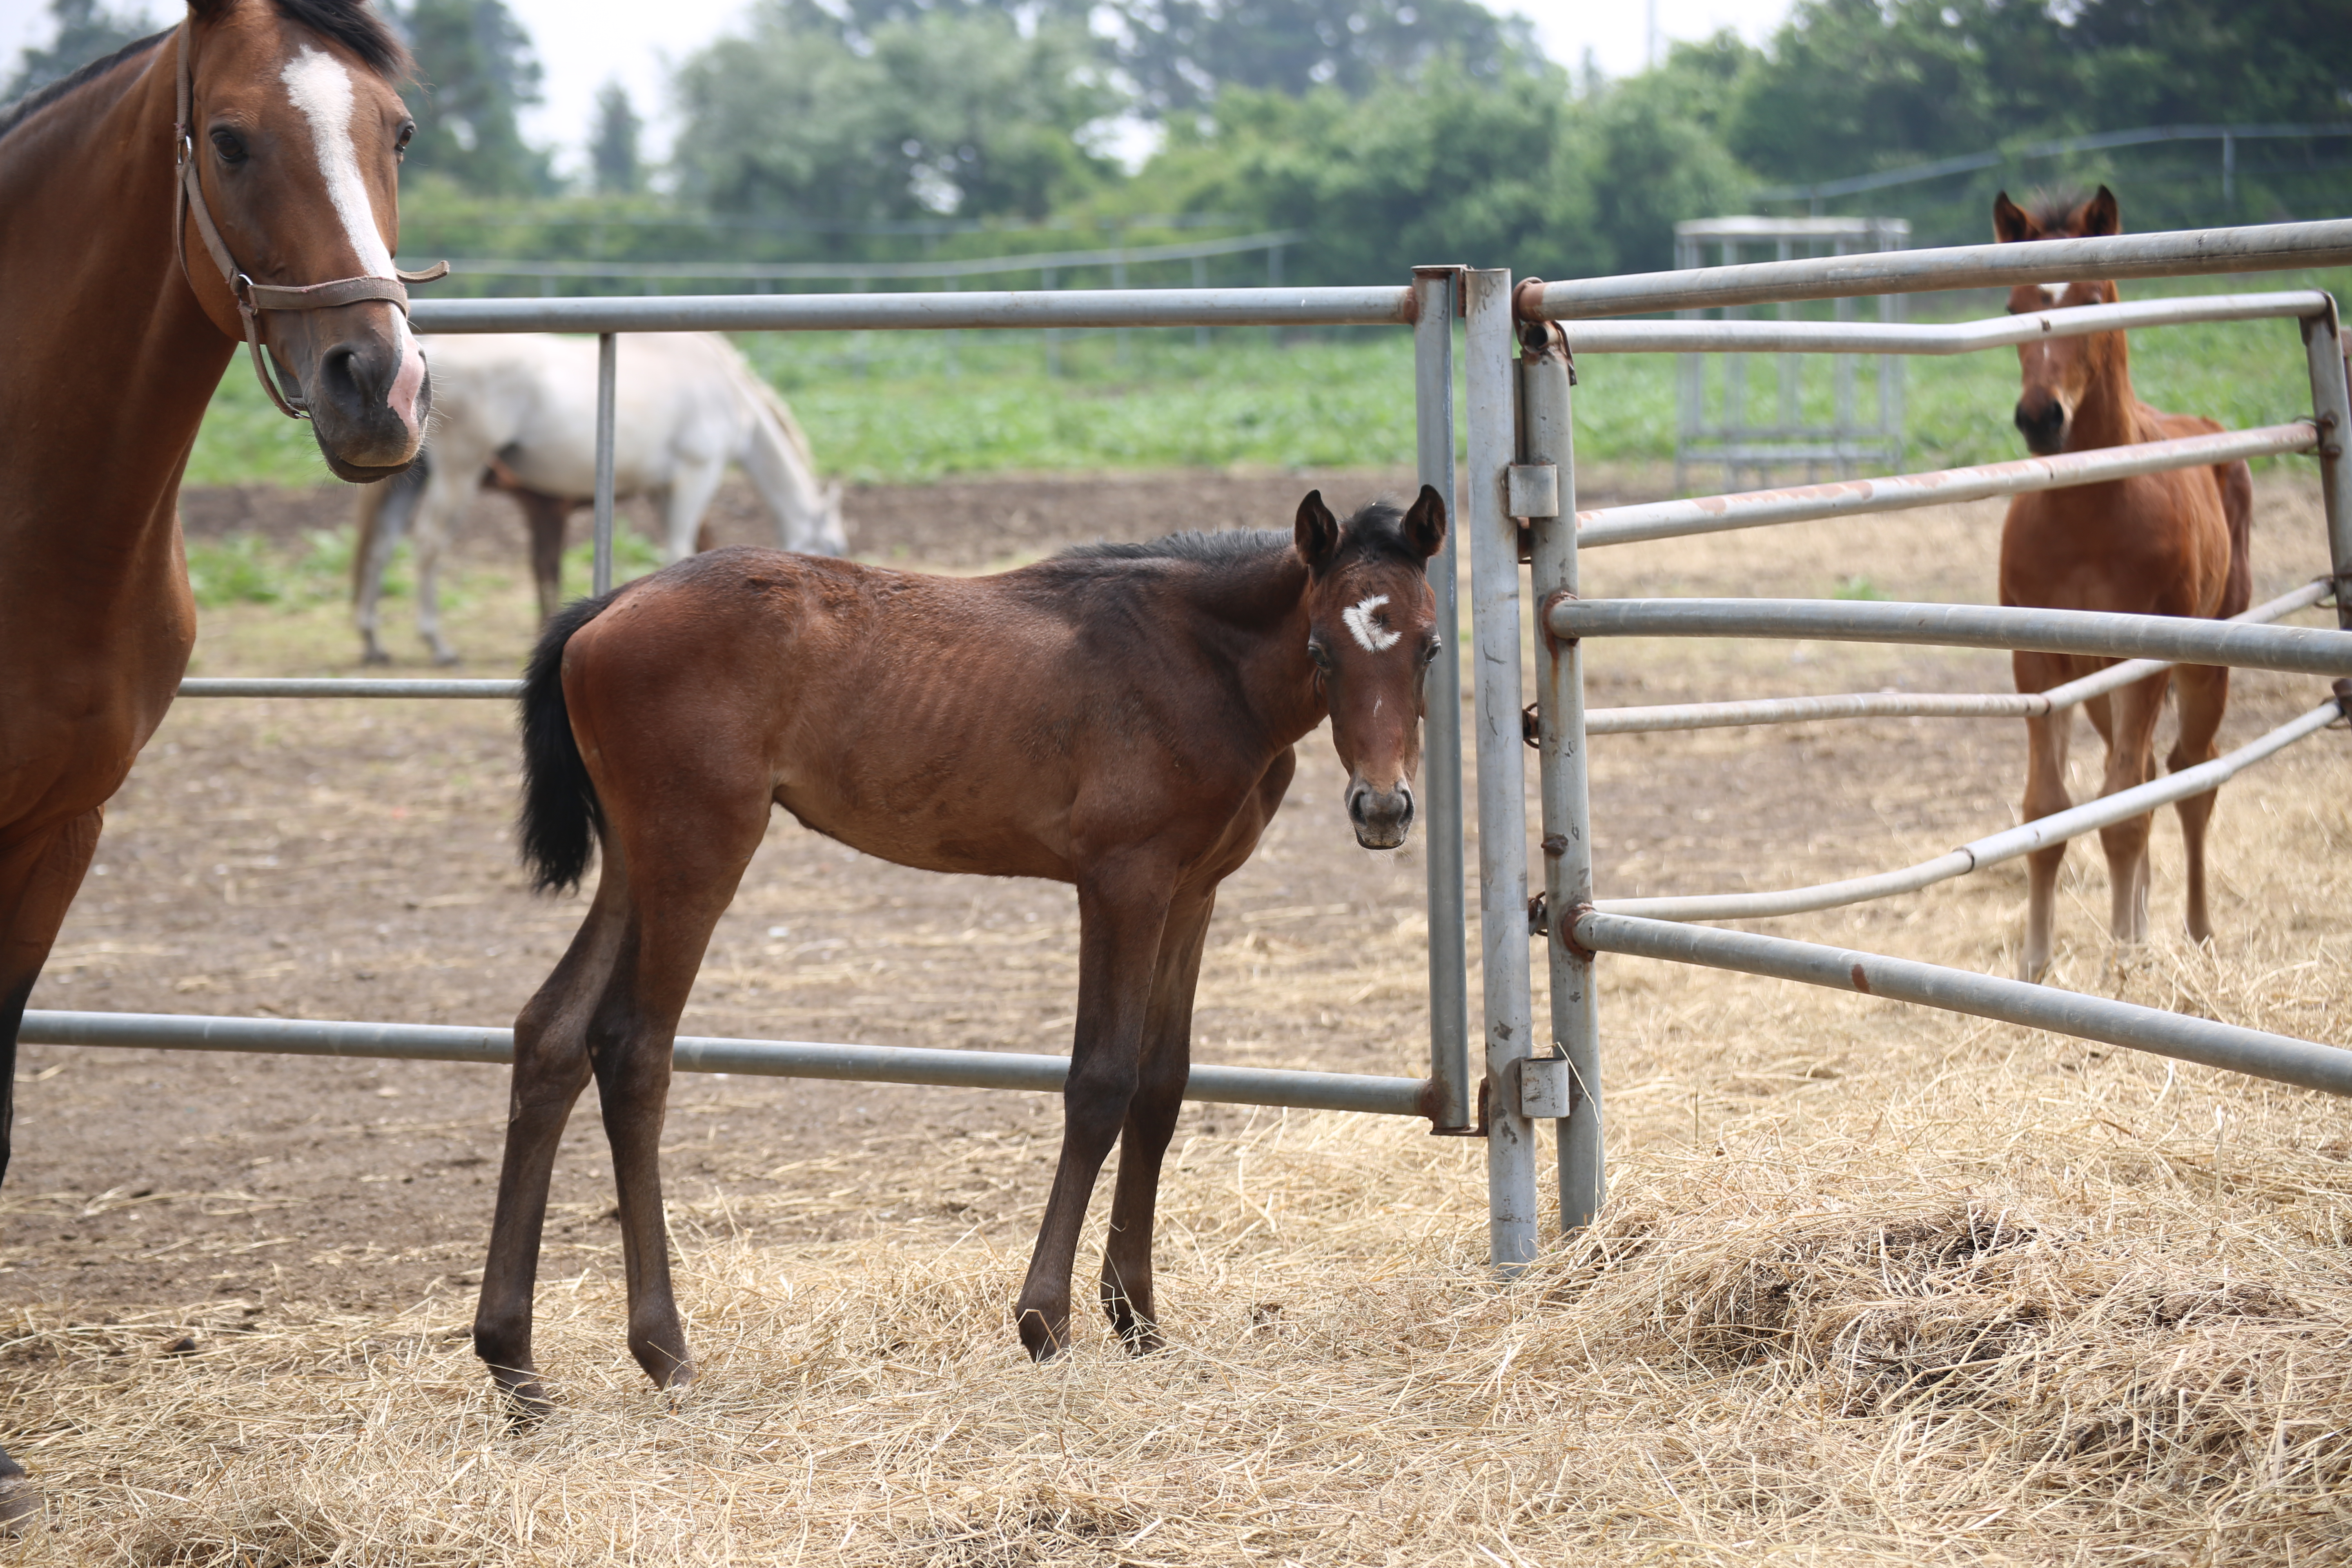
x=252 y=297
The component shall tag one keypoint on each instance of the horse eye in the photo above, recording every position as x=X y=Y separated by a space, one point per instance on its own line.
x=229 y=145
x=1320 y=655
x=1429 y=654
x=400 y=143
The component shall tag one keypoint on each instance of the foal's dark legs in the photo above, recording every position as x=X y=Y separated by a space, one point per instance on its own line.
x=1127 y=1294
x=550 y=1069
x=546 y=516
x=1120 y=920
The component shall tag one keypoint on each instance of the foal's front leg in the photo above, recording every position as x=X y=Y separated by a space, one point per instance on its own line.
x=1127 y=1294
x=1120 y=919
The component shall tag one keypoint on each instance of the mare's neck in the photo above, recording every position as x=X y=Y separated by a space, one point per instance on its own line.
x=1254 y=616
x=2107 y=415
x=112 y=360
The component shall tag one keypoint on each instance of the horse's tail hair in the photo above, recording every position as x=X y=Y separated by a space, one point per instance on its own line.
x=2238 y=505
x=385 y=510
x=561 y=817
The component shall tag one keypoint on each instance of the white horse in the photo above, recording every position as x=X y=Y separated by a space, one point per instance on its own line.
x=519 y=412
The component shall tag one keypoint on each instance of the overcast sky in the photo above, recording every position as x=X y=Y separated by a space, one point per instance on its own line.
x=585 y=43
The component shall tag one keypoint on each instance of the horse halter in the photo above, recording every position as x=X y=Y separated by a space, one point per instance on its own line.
x=252 y=297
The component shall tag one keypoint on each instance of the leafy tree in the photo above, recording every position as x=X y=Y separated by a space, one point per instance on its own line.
x=948 y=112
x=1657 y=159
x=86 y=31
x=1182 y=52
x=477 y=70
x=613 y=150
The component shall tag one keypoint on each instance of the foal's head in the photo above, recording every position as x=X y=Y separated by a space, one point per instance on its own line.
x=296 y=136
x=2057 y=370
x=1372 y=633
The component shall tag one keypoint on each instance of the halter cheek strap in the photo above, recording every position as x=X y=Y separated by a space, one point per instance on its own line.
x=252 y=299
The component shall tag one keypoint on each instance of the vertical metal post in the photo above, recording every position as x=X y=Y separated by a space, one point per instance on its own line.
x=2229 y=173
x=1201 y=280
x=1547 y=435
x=1045 y=277
x=608 y=356
x=2323 y=346
x=1118 y=337
x=1502 y=766
x=1434 y=293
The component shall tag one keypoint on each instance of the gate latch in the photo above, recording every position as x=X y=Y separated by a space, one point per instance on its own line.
x=1547 y=1088
x=1531 y=489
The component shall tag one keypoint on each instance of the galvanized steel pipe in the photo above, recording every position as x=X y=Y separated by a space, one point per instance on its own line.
x=1933 y=338
x=1915 y=704
x=770 y=1058
x=1990 y=850
x=2281 y=1059
x=2323 y=344
x=1436 y=290
x=1385 y=306
x=2190 y=253
x=1548 y=438
x=2298 y=650
x=1493 y=405
x=1803 y=503
x=608 y=353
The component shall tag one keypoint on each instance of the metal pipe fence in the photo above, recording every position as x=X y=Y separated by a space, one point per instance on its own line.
x=1578 y=927
x=1521 y=462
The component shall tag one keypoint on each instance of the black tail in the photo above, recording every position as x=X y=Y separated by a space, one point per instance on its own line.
x=561 y=818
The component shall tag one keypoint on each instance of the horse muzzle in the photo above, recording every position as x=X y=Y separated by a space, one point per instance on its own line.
x=1381 y=818
x=2043 y=425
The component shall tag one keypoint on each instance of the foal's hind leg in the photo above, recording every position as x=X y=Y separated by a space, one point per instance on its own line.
x=550 y=1069
x=546 y=516
x=1167 y=1062
x=2131 y=759
x=2046 y=740
x=2204 y=695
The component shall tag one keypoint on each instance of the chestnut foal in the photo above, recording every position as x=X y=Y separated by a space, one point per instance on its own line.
x=2173 y=544
x=1118 y=717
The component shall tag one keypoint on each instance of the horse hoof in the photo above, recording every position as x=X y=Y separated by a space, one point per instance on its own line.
x=375 y=656
x=444 y=658
x=20 y=1499
x=1041 y=1343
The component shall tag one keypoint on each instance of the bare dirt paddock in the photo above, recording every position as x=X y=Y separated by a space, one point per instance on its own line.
x=1874 y=1283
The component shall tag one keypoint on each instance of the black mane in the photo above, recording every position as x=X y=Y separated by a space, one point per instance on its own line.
x=40 y=98
x=356 y=25
x=1376 y=531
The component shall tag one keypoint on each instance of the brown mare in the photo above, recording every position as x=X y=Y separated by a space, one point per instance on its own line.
x=2172 y=544
x=117 y=318
x=1118 y=717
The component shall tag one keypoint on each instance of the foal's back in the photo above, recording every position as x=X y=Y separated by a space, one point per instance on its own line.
x=1005 y=724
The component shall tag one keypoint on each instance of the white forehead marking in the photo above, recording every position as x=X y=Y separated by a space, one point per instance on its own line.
x=1372 y=638
x=2052 y=292
x=322 y=89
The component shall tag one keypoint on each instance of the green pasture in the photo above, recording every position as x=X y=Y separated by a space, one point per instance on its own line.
x=916 y=406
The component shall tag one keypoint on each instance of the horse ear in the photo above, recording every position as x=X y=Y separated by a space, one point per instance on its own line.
x=2010 y=222
x=2102 y=214
x=1317 y=534
x=1424 y=525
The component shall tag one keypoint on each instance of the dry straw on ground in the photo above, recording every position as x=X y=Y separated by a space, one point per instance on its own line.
x=1874 y=1284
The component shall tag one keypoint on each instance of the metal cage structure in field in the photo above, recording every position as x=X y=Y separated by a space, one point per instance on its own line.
x=1752 y=425
x=1519 y=480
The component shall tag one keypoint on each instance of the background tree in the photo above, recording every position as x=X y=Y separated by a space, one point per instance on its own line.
x=948 y=112
x=613 y=150
x=86 y=31
x=1181 y=52
x=476 y=71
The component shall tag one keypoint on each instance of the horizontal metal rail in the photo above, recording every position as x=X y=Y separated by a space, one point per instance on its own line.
x=1933 y=338
x=1277 y=1087
x=1947 y=487
x=2281 y=1059
x=989 y=308
x=1990 y=850
x=973 y=267
x=307 y=685
x=2297 y=650
x=1917 y=704
x=2260 y=249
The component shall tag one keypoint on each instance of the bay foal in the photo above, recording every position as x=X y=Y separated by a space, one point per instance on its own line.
x=2173 y=544
x=1118 y=717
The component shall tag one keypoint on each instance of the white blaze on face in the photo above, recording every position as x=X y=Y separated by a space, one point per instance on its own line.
x=1369 y=635
x=2052 y=292
x=320 y=87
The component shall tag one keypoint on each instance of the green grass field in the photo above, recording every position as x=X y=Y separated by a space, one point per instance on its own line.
x=909 y=407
